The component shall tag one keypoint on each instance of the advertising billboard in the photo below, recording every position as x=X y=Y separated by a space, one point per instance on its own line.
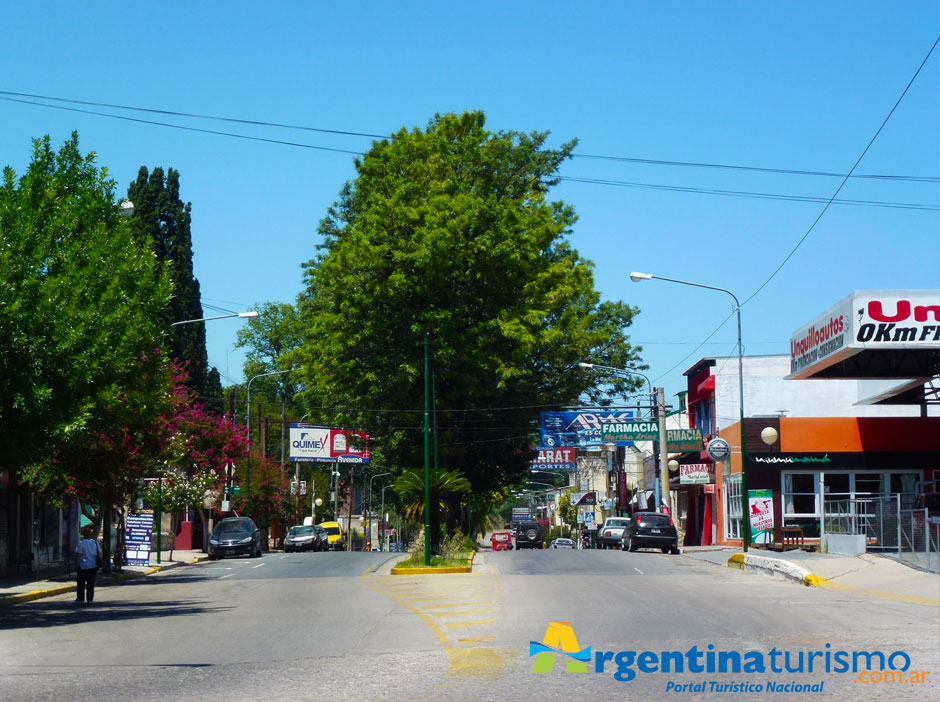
x=553 y=458
x=328 y=444
x=580 y=429
x=866 y=320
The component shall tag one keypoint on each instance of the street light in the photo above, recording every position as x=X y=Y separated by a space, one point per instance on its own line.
x=251 y=314
x=369 y=534
x=248 y=437
x=745 y=521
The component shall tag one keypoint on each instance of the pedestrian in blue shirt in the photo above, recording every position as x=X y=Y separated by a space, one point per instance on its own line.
x=87 y=561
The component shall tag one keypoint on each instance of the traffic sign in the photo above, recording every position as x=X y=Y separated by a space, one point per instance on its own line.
x=236 y=489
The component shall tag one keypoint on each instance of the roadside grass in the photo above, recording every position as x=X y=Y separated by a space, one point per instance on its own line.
x=455 y=560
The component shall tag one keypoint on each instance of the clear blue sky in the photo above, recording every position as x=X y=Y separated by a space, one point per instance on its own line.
x=796 y=85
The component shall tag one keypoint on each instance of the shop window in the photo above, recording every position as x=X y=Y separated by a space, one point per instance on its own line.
x=732 y=506
x=799 y=494
x=868 y=485
x=906 y=485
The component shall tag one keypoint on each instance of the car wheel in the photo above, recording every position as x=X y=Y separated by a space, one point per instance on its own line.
x=623 y=545
x=665 y=549
x=674 y=550
x=630 y=545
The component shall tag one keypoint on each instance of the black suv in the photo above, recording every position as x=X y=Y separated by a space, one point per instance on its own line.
x=650 y=530
x=528 y=535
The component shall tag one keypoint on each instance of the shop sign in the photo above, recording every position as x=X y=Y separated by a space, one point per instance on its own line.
x=718 y=450
x=696 y=473
x=677 y=440
x=867 y=319
x=553 y=458
x=328 y=445
x=760 y=508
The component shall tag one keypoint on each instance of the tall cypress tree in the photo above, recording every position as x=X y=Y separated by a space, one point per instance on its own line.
x=161 y=215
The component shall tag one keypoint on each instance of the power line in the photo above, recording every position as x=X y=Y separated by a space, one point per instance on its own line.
x=846 y=178
x=592 y=181
x=371 y=135
x=744 y=193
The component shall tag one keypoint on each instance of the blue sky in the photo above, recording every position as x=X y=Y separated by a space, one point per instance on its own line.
x=797 y=85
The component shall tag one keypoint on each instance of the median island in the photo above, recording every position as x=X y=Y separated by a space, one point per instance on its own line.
x=455 y=563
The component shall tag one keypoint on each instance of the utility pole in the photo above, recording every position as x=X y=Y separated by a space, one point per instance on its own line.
x=663 y=447
x=352 y=494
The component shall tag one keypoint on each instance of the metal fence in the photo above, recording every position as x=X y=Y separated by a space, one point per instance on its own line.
x=905 y=534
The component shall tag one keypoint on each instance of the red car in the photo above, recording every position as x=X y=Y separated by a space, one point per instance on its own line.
x=501 y=540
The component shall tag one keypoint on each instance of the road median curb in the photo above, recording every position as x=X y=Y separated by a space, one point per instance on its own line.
x=444 y=570
x=775 y=567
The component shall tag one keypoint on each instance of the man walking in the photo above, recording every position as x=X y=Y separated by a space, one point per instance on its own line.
x=87 y=560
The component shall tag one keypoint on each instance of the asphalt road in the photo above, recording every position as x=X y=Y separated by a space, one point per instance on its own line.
x=326 y=626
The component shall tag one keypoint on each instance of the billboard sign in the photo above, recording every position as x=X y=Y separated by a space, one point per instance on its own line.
x=579 y=429
x=760 y=507
x=866 y=320
x=328 y=445
x=138 y=537
x=677 y=440
x=553 y=458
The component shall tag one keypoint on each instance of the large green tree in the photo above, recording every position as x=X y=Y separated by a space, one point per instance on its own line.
x=163 y=218
x=82 y=309
x=448 y=233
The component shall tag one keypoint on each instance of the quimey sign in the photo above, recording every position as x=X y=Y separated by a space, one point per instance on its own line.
x=865 y=320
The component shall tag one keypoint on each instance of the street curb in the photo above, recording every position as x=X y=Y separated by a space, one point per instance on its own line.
x=117 y=577
x=436 y=571
x=774 y=566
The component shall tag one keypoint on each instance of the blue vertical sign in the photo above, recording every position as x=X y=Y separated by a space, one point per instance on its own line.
x=138 y=536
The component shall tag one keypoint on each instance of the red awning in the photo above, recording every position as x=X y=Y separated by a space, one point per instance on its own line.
x=707 y=385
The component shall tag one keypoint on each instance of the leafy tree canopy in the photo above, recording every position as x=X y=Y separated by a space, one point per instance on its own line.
x=161 y=217
x=81 y=309
x=449 y=232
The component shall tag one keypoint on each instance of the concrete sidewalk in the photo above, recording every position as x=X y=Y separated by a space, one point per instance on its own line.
x=868 y=575
x=26 y=587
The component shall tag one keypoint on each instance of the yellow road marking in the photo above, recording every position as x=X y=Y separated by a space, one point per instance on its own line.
x=457 y=604
x=476 y=639
x=466 y=625
x=487 y=610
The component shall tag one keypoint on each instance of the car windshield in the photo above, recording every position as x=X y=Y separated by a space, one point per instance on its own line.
x=300 y=531
x=564 y=542
x=501 y=537
x=655 y=520
x=332 y=530
x=233 y=528
x=617 y=522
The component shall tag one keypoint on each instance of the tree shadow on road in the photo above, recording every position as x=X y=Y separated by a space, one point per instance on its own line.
x=63 y=612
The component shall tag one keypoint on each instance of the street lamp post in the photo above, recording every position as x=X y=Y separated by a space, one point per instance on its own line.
x=382 y=517
x=745 y=522
x=369 y=534
x=248 y=437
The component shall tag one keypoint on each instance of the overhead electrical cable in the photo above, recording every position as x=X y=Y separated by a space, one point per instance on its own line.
x=846 y=178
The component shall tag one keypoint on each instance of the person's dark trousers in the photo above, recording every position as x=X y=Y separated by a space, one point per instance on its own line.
x=86 y=585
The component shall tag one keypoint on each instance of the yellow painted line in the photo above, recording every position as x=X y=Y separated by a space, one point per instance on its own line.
x=476 y=639
x=479 y=662
x=486 y=610
x=438 y=632
x=466 y=603
x=825 y=583
x=466 y=625
x=443 y=597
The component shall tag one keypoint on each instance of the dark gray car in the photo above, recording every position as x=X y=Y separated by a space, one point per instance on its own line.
x=235 y=536
x=650 y=530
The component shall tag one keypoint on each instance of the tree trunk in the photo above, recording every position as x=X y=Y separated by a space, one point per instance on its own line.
x=105 y=511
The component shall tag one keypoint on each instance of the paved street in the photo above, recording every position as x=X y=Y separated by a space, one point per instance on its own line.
x=334 y=626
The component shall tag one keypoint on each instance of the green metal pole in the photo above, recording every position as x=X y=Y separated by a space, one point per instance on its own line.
x=434 y=415
x=427 y=461
x=159 y=522
x=248 y=485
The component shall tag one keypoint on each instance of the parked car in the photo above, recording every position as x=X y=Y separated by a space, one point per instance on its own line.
x=323 y=539
x=528 y=535
x=562 y=543
x=302 y=538
x=650 y=530
x=611 y=534
x=233 y=536
x=501 y=540
x=334 y=533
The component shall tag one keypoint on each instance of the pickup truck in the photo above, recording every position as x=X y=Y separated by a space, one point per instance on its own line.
x=609 y=535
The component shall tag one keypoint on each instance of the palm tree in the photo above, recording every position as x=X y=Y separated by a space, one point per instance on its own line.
x=443 y=487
